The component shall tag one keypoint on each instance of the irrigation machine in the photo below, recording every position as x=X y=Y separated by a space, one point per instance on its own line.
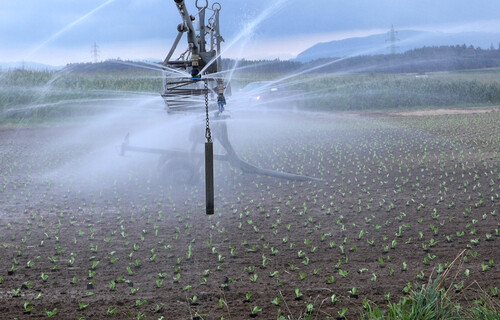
x=194 y=82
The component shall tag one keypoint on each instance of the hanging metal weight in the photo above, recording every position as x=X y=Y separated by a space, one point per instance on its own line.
x=209 y=161
x=209 y=177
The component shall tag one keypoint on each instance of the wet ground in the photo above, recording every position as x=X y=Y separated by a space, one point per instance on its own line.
x=85 y=232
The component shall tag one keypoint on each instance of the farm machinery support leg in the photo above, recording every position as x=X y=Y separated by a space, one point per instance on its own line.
x=220 y=130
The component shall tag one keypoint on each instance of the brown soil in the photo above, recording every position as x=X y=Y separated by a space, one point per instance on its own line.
x=387 y=190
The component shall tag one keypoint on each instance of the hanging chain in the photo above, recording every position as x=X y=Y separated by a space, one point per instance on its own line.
x=208 y=133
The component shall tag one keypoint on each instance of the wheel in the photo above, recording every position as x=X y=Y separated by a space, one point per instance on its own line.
x=178 y=172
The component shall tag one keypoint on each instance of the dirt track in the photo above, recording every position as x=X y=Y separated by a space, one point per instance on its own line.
x=440 y=112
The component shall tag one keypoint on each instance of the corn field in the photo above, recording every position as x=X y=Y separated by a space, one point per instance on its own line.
x=45 y=94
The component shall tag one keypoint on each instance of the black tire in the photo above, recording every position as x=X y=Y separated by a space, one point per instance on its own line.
x=178 y=172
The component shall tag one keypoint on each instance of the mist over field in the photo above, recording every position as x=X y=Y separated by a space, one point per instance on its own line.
x=285 y=159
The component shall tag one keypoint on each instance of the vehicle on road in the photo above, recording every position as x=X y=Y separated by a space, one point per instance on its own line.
x=272 y=94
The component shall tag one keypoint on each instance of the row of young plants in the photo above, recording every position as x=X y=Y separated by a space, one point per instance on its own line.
x=393 y=209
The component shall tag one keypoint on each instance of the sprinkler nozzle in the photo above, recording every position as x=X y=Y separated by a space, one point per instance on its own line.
x=195 y=74
x=221 y=100
x=195 y=71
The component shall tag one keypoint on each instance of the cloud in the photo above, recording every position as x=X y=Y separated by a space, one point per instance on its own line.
x=25 y=24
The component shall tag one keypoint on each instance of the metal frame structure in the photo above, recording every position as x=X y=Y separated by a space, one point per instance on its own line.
x=190 y=83
x=200 y=60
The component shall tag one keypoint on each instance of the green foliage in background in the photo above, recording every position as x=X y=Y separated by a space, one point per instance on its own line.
x=66 y=93
x=382 y=92
x=47 y=94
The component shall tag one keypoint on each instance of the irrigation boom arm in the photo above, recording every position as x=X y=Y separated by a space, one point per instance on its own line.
x=187 y=26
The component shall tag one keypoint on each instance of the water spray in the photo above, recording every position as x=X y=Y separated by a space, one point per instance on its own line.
x=192 y=82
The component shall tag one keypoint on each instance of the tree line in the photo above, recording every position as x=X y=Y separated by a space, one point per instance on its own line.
x=421 y=60
x=426 y=59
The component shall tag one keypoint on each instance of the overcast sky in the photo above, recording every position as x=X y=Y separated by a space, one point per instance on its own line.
x=62 y=31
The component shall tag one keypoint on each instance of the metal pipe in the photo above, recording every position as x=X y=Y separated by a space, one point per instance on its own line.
x=202 y=30
x=221 y=134
x=181 y=6
x=218 y=40
x=194 y=46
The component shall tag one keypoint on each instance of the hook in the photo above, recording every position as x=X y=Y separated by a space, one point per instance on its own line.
x=216 y=6
x=202 y=7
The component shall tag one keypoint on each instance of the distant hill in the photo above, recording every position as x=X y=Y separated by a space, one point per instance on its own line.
x=408 y=40
x=417 y=60
x=28 y=65
x=420 y=60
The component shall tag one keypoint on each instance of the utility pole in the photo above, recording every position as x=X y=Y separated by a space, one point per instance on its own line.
x=392 y=39
x=95 y=52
